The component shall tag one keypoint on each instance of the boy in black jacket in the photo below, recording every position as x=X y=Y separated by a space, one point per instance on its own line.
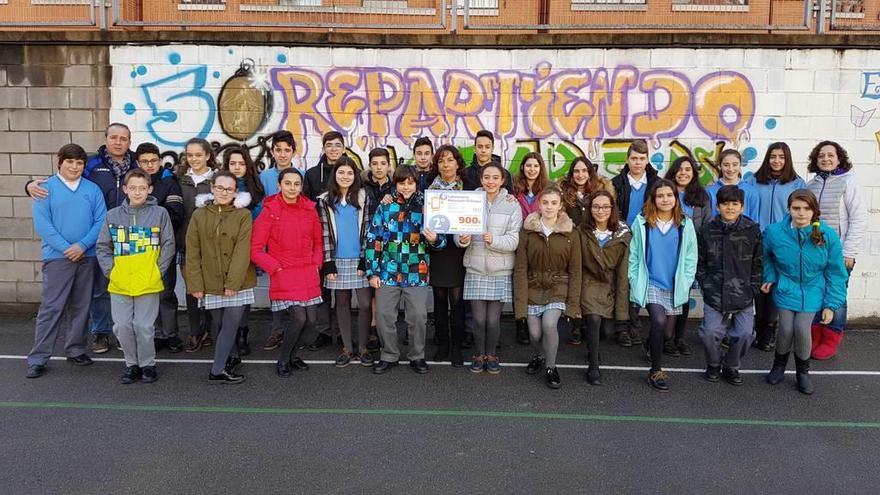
x=168 y=195
x=729 y=273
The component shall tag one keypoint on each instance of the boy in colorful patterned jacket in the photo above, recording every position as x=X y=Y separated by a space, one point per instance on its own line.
x=397 y=266
x=134 y=249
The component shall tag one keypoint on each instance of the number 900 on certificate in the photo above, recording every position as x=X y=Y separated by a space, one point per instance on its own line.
x=455 y=212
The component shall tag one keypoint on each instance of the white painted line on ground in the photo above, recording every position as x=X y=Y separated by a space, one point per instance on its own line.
x=447 y=363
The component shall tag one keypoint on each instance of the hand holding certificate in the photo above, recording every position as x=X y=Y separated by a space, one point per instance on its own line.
x=455 y=212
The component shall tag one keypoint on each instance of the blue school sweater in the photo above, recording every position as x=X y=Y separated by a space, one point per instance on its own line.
x=752 y=206
x=67 y=217
x=636 y=202
x=686 y=208
x=662 y=257
x=773 y=199
x=348 y=232
x=269 y=180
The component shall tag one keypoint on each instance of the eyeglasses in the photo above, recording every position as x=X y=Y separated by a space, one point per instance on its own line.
x=228 y=190
x=601 y=207
x=150 y=162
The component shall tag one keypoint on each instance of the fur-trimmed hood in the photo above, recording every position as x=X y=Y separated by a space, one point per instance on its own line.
x=563 y=224
x=242 y=200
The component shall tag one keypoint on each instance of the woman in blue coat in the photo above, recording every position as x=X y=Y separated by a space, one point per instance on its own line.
x=803 y=266
x=774 y=182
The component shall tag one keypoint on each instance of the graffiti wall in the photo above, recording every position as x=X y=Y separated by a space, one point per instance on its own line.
x=561 y=103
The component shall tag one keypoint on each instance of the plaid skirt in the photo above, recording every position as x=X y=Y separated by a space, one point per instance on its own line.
x=242 y=298
x=283 y=304
x=663 y=297
x=488 y=288
x=347 y=276
x=535 y=310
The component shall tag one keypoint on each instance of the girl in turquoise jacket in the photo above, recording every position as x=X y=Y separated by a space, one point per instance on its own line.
x=803 y=266
x=662 y=266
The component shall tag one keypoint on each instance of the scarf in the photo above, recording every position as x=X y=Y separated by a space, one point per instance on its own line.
x=119 y=168
x=456 y=185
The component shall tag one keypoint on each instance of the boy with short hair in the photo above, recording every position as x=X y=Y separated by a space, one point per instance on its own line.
x=68 y=222
x=484 y=144
x=632 y=185
x=397 y=267
x=168 y=195
x=729 y=273
x=423 y=154
x=135 y=248
x=283 y=150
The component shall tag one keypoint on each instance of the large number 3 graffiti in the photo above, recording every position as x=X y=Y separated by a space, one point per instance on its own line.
x=168 y=96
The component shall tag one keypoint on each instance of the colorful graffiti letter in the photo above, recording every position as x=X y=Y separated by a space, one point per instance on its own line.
x=179 y=92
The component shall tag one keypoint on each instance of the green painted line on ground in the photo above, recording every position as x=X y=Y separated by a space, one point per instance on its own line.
x=440 y=413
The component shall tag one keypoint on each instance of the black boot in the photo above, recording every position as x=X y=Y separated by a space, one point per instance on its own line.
x=777 y=372
x=802 y=367
x=522 y=333
x=244 y=348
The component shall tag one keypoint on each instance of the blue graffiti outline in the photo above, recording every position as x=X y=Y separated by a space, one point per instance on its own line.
x=201 y=76
x=876 y=84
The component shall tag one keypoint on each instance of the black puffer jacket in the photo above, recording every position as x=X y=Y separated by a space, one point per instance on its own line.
x=729 y=267
x=621 y=187
x=472 y=175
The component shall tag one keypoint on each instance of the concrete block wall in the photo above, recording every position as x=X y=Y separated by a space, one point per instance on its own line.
x=49 y=96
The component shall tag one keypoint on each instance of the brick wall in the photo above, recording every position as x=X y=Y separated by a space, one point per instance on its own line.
x=49 y=96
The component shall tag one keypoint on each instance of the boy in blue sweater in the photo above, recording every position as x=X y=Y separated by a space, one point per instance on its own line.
x=68 y=222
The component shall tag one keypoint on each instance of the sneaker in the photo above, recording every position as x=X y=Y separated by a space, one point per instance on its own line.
x=657 y=379
x=297 y=364
x=275 y=341
x=670 y=349
x=81 y=360
x=575 y=338
x=344 y=359
x=102 y=344
x=149 y=374
x=594 y=376
x=477 y=364
x=322 y=340
x=552 y=378
x=366 y=358
x=712 y=374
x=731 y=376
x=683 y=348
x=535 y=365
x=492 y=365
x=131 y=375
x=207 y=341
x=623 y=339
x=174 y=344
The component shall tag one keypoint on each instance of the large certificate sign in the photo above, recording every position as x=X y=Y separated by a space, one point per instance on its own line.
x=455 y=212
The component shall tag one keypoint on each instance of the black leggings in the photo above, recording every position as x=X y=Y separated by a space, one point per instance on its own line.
x=662 y=327
x=299 y=318
x=343 y=316
x=593 y=325
x=199 y=319
x=681 y=322
x=448 y=299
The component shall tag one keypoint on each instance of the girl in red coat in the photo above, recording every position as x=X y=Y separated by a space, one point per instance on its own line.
x=286 y=244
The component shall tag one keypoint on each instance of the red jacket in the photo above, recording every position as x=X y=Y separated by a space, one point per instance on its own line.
x=526 y=208
x=286 y=243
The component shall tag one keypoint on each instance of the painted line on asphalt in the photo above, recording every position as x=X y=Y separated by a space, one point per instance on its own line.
x=447 y=363
x=441 y=413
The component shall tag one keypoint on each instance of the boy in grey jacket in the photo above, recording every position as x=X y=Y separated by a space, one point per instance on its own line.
x=134 y=249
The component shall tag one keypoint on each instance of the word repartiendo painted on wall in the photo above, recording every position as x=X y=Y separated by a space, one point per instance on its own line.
x=587 y=104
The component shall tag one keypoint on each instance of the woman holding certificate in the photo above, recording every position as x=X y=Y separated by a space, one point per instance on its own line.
x=447 y=266
x=488 y=262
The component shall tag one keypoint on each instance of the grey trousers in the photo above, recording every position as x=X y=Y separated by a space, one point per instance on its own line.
x=134 y=321
x=415 y=308
x=739 y=331
x=794 y=333
x=66 y=297
x=166 y=324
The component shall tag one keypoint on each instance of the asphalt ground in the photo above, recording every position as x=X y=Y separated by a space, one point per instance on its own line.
x=328 y=430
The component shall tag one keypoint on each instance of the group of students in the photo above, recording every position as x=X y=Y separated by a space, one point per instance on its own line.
x=588 y=249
